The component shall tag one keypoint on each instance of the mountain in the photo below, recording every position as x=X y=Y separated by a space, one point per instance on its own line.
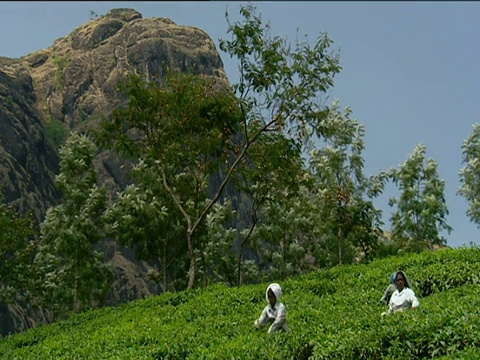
x=72 y=86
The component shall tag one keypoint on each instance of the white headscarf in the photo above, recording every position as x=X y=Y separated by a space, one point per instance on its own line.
x=277 y=291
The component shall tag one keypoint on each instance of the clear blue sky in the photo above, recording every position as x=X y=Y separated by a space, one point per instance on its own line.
x=411 y=70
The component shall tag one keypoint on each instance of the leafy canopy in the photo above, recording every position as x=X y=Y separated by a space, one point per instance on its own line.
x=17 y=246
x=72 y=273
x=470 y=174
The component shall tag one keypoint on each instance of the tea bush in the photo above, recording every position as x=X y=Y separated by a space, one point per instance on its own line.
x=333 y=314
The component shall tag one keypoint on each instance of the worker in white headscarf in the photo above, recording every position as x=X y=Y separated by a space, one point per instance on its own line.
x=274 y=312
x=404 y=297
x=390 y=290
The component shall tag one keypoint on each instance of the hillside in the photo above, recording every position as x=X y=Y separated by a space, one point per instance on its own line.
x=72 y=86
x=333 y=314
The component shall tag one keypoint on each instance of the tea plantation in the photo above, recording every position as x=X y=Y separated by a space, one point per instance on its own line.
x=333 y=314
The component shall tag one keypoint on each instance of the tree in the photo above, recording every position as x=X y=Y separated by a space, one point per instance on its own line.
x=280 y=89
x=93 y=15
x=470 y=174
x=421 y=207
x=280 y=93
x=188 y=128
x=341 y=189
x=182 y=131
x=215 y=253
x=285 y=237
x=17 y=246
x=73 y=273
x=272 y=170
x=142 y=218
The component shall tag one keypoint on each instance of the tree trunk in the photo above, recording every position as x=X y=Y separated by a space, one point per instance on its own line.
x=75 y=292
x=191 y=254
x=340 y=246
x=204 y=264
x=165 y=266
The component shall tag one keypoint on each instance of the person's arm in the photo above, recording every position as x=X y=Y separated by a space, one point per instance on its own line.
x=413 y=300
x=279 y=320
x=262 y=320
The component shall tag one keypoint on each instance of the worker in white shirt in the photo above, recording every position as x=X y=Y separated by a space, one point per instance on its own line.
x=274 y=312
x=404 y=297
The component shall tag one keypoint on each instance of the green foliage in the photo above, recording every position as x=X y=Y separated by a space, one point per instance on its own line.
x=181 y=132
x=215 y=253
x=347 y=220
x=188 y=129
x=270 y=177
x=56 y=132
x=280 y=91
x=140 y=219
x=17 y=247
x=285 y=238
x=136 y=216
x=470 y=174
x=72 y=274
x=333 y=314
x=8 y=101
x=421 y=208
x=60 y=63
x=280 y=85
x=181 y=118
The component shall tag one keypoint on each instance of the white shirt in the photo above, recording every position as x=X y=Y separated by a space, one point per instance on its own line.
x=405 y=299
x=278 y=314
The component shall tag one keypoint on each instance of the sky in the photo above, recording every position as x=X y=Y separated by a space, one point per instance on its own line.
x=410 y=70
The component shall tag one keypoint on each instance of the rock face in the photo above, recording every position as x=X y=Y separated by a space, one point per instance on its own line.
x=72 y=86
x=76 y=78
x=28 y=161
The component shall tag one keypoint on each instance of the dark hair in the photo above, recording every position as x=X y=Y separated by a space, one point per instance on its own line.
x=406 y=281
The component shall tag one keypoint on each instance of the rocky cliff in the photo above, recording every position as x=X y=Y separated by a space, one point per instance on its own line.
x=72 y=86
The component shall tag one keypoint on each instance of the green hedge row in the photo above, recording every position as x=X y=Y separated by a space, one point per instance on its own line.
x=333 y=314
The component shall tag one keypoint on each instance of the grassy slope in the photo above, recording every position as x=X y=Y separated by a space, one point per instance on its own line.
x=333 y=314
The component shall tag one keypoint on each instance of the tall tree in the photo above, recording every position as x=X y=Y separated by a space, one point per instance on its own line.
x=344 y=212
x=285 y=239
x=421 y=207
x=280 y=92
x=470 y=174
x=74 y=275
x=186 y=127
x=281 y=85
x=272 y=169
x=182 y=131
x=143 y=218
